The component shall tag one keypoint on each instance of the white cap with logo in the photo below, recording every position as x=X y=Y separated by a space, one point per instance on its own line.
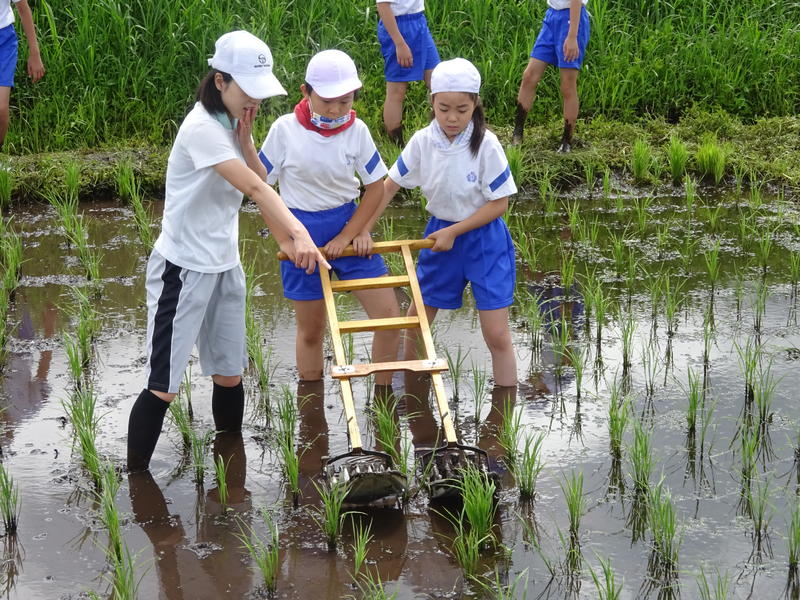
x=332 y=73
x=249 y=61
x=456 y=75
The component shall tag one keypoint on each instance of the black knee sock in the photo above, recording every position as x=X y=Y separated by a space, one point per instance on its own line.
x=396 y=136
x=227 y=406
x=144 y=427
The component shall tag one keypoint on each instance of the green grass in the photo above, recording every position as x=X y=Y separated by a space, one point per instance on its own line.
x=9 y=501
x=641 y=162
x=678 y=156
x=711 y=158
x=6 y=186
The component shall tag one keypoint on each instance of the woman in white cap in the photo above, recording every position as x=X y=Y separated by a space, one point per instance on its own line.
x=462 y=171
x=195 y=283
x=315 y=154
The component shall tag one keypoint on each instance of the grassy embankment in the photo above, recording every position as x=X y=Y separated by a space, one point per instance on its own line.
x=121 y=76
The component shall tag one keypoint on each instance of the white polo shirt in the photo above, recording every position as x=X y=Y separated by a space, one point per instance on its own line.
x=6 y=14
x=317 y=172
x=454 y=182
x=405 y=7
x=559 y=4
x=200 y=226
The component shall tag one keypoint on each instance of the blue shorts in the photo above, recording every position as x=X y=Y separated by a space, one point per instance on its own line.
x=323 y=226
x=549 y=46
x=8 y=55
x=414 y=29
x=484 y=257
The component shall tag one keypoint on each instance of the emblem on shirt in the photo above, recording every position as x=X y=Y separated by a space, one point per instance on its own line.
x=471 y=177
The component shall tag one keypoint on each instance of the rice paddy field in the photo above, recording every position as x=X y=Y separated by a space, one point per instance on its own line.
x=650 y=451
x=652 y=447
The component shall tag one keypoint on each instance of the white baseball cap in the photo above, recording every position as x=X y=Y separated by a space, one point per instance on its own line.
x=332 y=74
x=249 y=61
x=456 y=75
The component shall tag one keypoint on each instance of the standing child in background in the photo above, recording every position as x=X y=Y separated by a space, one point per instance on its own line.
x=409 y=54
x=8 y=55
x=461 y=169
x=195 y=283
x=562 y=42
x=314 y=154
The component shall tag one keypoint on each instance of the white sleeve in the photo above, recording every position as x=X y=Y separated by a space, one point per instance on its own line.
x=369 y=164
x=496 y=178
x=273 y=152
x=207 y=145
x=405 y=172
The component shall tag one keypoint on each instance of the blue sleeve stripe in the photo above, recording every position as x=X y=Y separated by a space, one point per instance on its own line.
x=500 y=179
x=373 y=162
x=401 y=166
x=263 y=158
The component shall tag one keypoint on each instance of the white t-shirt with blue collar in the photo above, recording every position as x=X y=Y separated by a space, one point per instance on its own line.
x=454 y=182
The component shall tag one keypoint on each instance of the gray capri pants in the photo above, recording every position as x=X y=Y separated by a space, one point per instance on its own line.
x=185 y=308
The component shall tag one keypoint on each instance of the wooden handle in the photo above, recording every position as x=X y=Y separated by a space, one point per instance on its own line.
x=380 y=247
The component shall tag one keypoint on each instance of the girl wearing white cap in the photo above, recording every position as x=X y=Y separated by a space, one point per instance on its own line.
x=461 y=169
x=195 y=283
x=315 y=154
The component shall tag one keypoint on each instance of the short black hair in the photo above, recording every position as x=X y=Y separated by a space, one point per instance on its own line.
x=310 y=88
x=207 y=93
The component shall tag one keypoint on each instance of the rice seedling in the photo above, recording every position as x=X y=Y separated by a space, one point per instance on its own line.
x=545 y=188
x=641 y=457
x=200 y=444
x=72 y=180
x=124 y=584
x=370 y=586
x=477 y=492
x=619 y=410
x=794 y=269
x=480 y=388
x=748 y=445
x=527 y=248
x=264 y=553
x=221 y=475
x=109 y=514
x=330 y=516
x=577 y=358
x=763 y=395
x=642 y=208
x=678 y=155
x=651 y=366
x=81 y=412
x=793 y=537
x=10 y=259
x=179 y=414
x=666 y=542
x=499 y=588
x=142 y=219
x=690 y=197
x=560 y=338
x=627 y=325
x=6 y=186
x=673 y=294
x=755 y=200
x=607 y=183
x=361 y=537
x=574 y=217
x=641 y=161
x=695 y=397
x=764 y=246
x=711 y=257
x=618 y=249
x=285 y=428
x=387 y=432
x=510 y=431
x=717 y=589
x=759 y=507
x=567 y=272
x=394 y=261
x=515 y=162
x=712 y=216
x=760 y=304
x=9 y=501
x=466 y=544
x=572 y=488
x=589 y=175
x=589 y=230
x=455 y=367
x=711 y=158
x=528 y=465
x=606 y=584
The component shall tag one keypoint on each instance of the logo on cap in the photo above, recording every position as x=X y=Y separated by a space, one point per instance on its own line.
x=262 y=59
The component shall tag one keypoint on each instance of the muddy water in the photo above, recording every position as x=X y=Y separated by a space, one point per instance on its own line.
x=186 y=546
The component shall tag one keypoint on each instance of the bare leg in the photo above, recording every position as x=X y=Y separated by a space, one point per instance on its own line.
x=393 y=110
x=5 y=97
x=527 y=93
x=310 y=315
x=494 y=325
x=382 y=304
x=569 y=92
x=412 y=342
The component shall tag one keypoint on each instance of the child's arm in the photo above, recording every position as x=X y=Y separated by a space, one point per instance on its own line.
x=404 y=56
x=571 y=51
x=373 y=195
x=35 y=65
x=487 y=213
x=244 y=131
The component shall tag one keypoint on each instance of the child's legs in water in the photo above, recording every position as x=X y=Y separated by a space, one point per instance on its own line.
x=382 y=304
x=310 y=317
x=412 y=342
x=496 y=334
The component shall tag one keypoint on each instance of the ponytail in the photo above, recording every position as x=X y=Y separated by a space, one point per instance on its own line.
x=478 y=126
x=207 y=93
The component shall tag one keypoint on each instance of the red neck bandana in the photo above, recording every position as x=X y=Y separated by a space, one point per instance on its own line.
x=303 y=114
